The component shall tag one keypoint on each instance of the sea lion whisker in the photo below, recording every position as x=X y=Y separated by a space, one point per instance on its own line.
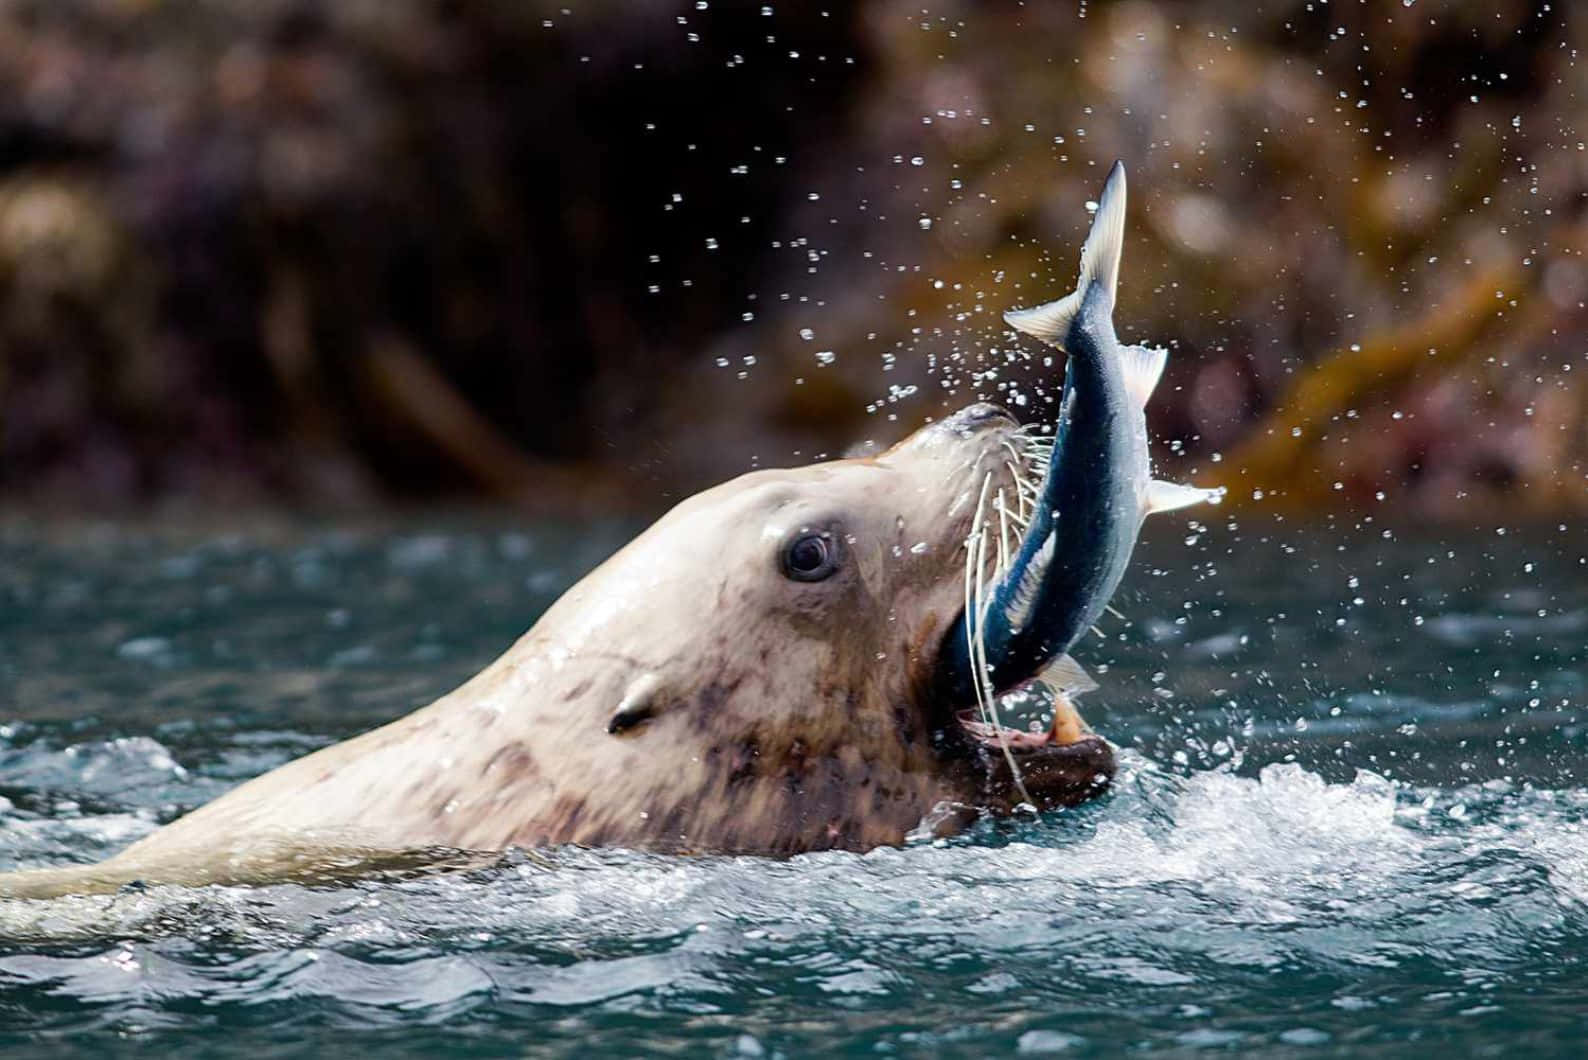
x=974 y=552
x=1003 y=534
x=975 y=559
x=972 y=604
x=984 y=696
x=986 y=703
x=1020 y=483
x=1025 y=497
x=978 y=521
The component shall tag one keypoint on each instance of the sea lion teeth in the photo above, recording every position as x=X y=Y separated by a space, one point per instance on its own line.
x=1068 y=726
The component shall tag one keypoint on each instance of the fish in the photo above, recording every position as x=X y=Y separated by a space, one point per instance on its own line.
x=1097 y=489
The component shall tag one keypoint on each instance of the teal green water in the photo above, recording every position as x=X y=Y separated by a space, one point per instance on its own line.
x=1350 y=820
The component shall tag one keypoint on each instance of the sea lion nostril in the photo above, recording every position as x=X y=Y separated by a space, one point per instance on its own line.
x=981 y=414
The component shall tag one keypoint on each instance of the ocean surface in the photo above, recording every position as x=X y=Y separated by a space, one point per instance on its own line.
x=1351 y=819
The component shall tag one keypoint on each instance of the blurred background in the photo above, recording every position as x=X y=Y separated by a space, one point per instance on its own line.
x=591 y=256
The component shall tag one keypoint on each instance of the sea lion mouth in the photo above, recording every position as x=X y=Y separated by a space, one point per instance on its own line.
x=1062 y=765
x=1065 y=763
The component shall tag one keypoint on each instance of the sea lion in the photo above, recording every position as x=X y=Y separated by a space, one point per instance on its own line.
x=753 y=673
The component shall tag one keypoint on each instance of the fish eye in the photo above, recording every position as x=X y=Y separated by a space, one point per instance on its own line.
x=810 y=556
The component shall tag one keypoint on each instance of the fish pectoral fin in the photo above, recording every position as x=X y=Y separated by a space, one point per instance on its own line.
x=1065 y=676
x=1142 y=366
x=1167 y=496
x=1099 y=270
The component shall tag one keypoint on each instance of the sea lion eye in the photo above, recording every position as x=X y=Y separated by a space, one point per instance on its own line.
x=810 y=557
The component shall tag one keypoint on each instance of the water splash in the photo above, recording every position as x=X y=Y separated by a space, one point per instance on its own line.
x=1325 y=836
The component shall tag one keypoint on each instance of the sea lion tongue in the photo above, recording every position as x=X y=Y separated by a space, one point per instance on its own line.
x=1096 y=490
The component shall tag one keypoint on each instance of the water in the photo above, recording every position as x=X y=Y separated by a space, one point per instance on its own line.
x=1350 y=820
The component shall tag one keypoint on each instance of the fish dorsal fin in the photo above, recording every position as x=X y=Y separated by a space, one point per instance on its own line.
x=1142 y=367
x=1167 y=496
x=1065 y=676
x=1099 y=270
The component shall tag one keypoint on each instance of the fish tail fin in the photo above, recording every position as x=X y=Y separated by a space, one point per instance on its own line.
x=1099 y=280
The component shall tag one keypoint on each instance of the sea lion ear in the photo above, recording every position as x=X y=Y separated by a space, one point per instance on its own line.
x=640 y=702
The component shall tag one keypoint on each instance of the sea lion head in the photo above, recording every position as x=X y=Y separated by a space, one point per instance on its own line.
x=755 y=670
